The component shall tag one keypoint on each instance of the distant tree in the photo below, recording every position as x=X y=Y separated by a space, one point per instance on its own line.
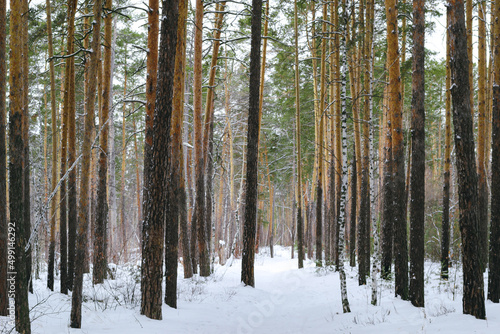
x=298 y=198
x=249 y=227
x=52 y=245
x=445 y=234
x=473 y=298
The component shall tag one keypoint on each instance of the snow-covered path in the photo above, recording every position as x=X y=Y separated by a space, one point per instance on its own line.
x=285 y=300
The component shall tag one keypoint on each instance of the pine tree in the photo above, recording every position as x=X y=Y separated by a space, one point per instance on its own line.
x=16 y=180
x=473 y=298
x=100 y=238
x=417 y=180
x=398 y=152
x=155 y=214
x=83 y=208
x=249 y=227
x=494 y=264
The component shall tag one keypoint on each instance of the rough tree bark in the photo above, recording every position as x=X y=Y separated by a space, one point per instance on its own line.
x=473 y=285
x=16 y=166
x=417 y=178
x=494 y=260
x=481 y=139
x=101 y=225
x=398 y=152
x=72 y=187
x=198 y=212
x=178 y=178
x=248 y=259
x=151 y=80
x=155 y=214
x=83 y=209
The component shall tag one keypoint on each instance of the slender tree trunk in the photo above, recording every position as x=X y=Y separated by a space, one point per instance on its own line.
x=354 y=200
x=417 y=180
x=445 y=234
x=398 y=152
x=155 y=218
x=151 y=80
x=101 y=225
x=83 y=209
x=112 y=214
x=473 y=298
x=72 y=186
x=52 y=246
x=343 y=193
x=298 y=191
x=16 y=181
x=178 y=177
x=4 y=301
x=494 y=259
x=198 y=213
x=247 y=268
x=481 y=139
x=122 y=176
x=319 y=142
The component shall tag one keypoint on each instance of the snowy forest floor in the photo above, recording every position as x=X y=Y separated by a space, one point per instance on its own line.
x=285 y=300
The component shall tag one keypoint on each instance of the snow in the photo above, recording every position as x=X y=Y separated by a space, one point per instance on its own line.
x=285 y=300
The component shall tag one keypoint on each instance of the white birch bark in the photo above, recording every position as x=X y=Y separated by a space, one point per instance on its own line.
x=343 y=192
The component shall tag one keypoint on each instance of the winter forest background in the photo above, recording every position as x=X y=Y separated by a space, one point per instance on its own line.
x=249 y=166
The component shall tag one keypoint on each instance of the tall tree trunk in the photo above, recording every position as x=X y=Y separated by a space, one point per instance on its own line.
x=3 y=162
x=83 y=209
x=72 y=186
x=417 y=180
x=298 y=159
x=343 y=193
x=481 y=139
x=494 y=259
x=354 y=200
x=16 y=165
x=52 y=246
x=151 y=80
x=178 y=176
x=198 y=212
x=365 y=190
x=112 y=214
x=247 y=266
x=398 y=152
x=473 y=298
x=26 y=153
x=122 y=176
x=155 y=215
x=445 y=234
x=101 y=225
x=319 y=142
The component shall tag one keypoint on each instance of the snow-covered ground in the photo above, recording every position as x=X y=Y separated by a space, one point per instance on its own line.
x=285 y=300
